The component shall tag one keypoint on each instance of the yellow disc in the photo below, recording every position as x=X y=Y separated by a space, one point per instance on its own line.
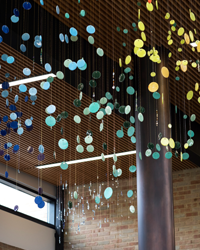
x=178 y=63
x=195 y=31
x=183 y=68
x=172 y=22
x=141 y=26
x=190 y=95
x=164 y=141
x=170 y=54
x=187 y=38
x=192 y=16
x=199 y=99
x=156 y=4
x=136 y=50
x=186 y=146
x=148 y=53
x=149 y=6
x=153 y=74
x=193 y=49
x=169 y=37
x=171 y=143
x=179 y=50
x=184 y=62
x=169 y=32
x=198 y=47
x=182 y=41
x=173 y=28
x=169 y=125
x=170 y=42
x=177 y=68
x=141 y=53
x=191 y=36
x=165 y=72
x=120 y=62
x=181 y=156
x=181 y=31
x=159 y=61
x=128 y=60
x=167 y=16
x=143 y=36
x=196 y=86
x=139 y=14
x=194 y=65
x=153 y=87
x=139 y=43
x=154 y=58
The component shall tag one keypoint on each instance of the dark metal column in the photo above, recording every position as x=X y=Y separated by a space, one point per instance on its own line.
x=154 y=177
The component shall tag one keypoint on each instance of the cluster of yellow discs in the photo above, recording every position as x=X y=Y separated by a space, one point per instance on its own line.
x=190 y=93
x=138 y=48
x=153 y=55
x=165 y=142
x=181 y=65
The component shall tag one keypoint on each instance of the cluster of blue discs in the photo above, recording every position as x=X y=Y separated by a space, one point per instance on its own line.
x=39 y=201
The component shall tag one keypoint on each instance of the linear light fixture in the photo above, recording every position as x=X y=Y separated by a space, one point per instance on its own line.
x=53 y=165
x=193 y=44
x=31 y=79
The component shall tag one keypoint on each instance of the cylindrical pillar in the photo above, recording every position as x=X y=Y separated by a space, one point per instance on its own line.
x=154 y=177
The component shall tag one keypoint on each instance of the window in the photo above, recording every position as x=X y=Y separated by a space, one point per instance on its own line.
x=12 y=195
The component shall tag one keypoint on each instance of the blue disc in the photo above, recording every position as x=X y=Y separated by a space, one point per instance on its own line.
x=14 y=124
x=94 y=107
x=63 y=143
x=57 y=10
x=129 y=193
x=7 y=157
x=41 y=205
x=32 y=91
x=46 y=85
x=12 y=107
x=66 y=38
x=16 y=98
x=25 y=37
x=33 y=98
x=38 y=200
x=27 y=5
x=38 y=38
x=20 y=131
x=23 y=48
x=26 y=99
x=26 y=71
x=37 y=44
x=5 y=118
x=22 y=88
x=81 y=63
x=41 y=149
x=8 y=125
x=1 y=39
x=4 y=57
x=84 y=67
x=7 y=75
x=3 y=132
x=6 y=146
x=72 y=66
x=9 y=144
x=5 y=85
x=41 y=2
x=14 y=19
x=73 y=31
x=6 y=174
x=13 y=116
x=16 y=148
x=90 y=29
x=61 y=37
x=28 y=122
x=47 y=67
x=132 y=169
x=16 y=12
x=5 y=29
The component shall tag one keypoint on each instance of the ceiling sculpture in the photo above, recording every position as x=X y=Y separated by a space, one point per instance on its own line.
x=51 y=121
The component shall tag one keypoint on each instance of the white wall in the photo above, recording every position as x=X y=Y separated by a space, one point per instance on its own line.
x=25 y=234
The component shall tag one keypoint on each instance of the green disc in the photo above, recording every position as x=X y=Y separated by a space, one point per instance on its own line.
x=80 y=86
x=100 y=115
x=156 y=95
x=130 y=131
x=190 y=142
x=79 y=149
x=78 y=139
x=75 y=195
x=91 y=39
x=150 y=145
x=132 y=119
x=177 y=145
x=108 y=193
x=125 y=31
x=108 y=110
x=102 y=157
x=185 y=117
x=74 y=38
x=158 y=147
x=64 y=165
x=108 y=95
x=140 y=155
x=115 y=173
x=60 y=75
x=93 y=83
x=77 y=119
x=156 y=155
x=69 y=204
x=86 y=111
x=122 y=77
x=190 y=133
x=119 y=171
x=117 y=105
x=129 y=193
x=59 y=118
x=88 y=139
x=140 y=117
x=120 y=133
x=94 y=107
x=67 y=62
x=141 y=110
x=104 y=146
x=132 y=209
x=185 y=156
x=122 y=109
x=132 y=169
x=118 y=29
x=127 y=124
x=80 y=96
x=50 y=79
x=64 y=114
x=96 y=74
x=82 y=13
x=97 y=199
x=77 y=103
x=100 y=52
x=90 y=148
x=103 y=110
x=193 y=117
x=168 y=155
x=63 y=143
x=101 y=127
x=115 y=158
x=133 y=139
x=103 y=100
x=130 y=90
x=148 y=152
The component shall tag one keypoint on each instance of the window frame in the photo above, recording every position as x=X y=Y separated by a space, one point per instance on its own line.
x=32 y=192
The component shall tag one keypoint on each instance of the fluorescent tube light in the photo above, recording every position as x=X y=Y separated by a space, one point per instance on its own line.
x=193 y=44
x=31 y=79
x=53 y=165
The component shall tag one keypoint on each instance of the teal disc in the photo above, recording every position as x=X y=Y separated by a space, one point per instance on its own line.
x=185 y=156
x=115 y=173
x=130 y=131
x=158 y=147
x=97 y=199
x=63 y=143
x=50 y=121
x=108 y=95
x=193 y=118
x=127 y=70
x=117 y=89
x=94 y=107
x=140 y=155
x=132 y=119
x=185 y=117
x=108 y=193
x=156 y=95
x=120 y=133
x=110 y=105
x=133 y=139
x=190 y=133
x=129 y=193
x=64 y=165
x=168 y=155
x=132 y=169
x=130 y=90
x=156 y=155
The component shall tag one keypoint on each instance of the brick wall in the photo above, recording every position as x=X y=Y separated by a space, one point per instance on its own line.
x=118 y=229
x=8 y=247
